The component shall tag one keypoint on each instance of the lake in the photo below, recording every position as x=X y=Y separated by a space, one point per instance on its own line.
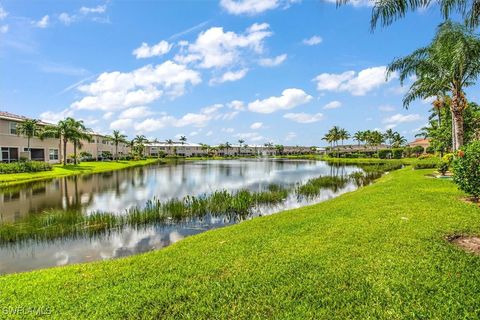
x=118 y=191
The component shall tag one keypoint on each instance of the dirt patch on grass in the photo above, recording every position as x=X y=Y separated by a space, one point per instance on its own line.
x=471 y=200
x=468 y=243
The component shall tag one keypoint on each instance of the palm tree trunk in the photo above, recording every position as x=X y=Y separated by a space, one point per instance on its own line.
x=116 y=151
x=64 y=151
x=75 y=152
x=458 y=129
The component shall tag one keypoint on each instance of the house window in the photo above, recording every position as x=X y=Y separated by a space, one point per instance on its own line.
x=53 y=154
x=13 y=128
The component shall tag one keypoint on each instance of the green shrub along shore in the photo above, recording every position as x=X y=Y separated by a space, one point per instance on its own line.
x=380 y=252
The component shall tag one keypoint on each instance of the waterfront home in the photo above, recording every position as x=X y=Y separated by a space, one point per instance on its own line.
x=15 y=147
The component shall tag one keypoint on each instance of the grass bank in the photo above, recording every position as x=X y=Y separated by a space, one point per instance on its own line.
x=68 y=170
x=379 y=252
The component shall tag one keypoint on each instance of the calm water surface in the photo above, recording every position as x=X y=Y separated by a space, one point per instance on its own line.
x=118 y=191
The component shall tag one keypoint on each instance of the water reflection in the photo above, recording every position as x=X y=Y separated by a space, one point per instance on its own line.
x=119 y=190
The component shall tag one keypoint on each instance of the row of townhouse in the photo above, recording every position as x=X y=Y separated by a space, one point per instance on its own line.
x=188 y=149
x=15 y=147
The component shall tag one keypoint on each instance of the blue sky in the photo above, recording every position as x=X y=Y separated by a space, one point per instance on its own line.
x=267 y=70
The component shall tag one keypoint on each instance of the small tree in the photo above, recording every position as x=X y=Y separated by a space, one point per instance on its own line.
x=29 y=129
x=466 y=169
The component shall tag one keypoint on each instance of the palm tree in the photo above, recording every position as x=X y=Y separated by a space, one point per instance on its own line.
x=78 y=133
x=343 y=135
x=449 y=64
x=139 y=144
x=183 y=139
x=389 y=136
x=227 y=146
x=205 y=147
x=240 y=143
x=279 y=148
x=170 y=143
x=375 y=138
x=359 y=136
x=117 y=138
x=28 y=128
x=398 y=140
x=387 y=11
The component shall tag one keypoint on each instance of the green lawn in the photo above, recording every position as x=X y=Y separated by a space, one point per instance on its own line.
x=61 y=171
x=376 y=253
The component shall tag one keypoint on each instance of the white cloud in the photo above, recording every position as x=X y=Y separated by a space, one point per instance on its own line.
x=256 y=125
x=209 y=133
x=42 y=23
x=215 y=48
x=119 y=90
x=4 y=28
x=358 y=84
x=55 y=116
x=249 y=7
x=386 y=108
x=121 y=124
x=289 y=99
x=97 y=9
x=356 y=3
x=304 y=117
x=236 y=105
x=290 y=136
x=272 y=62
x=3 y=13
x=230 y=76
x=251 y=136
x=428 y=100
x=136 y=112
x=333 y=105
x=198 y=120
x=313 y=41
x=228 y=130
x=145 y=51
x=402 y=118
x=66 y=19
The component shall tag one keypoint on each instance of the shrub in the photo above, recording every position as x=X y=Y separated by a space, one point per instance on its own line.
x=430 y=150
x=384 y=153
x=426 y=163
x=418 y=150
x=442 y=167
x=407 y=152
x=466 y=168
x=448 y=158
x=397 y=153
x=24 y=166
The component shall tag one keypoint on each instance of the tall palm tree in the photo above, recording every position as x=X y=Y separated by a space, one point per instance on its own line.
x=28 y=128
x=389 y=136
x=387 y=11
x=398 y=140
x=227 y=146
x=117 y=138
x=183 y=139
x=78 y=133
x=139 y=144
x=170 y=143
x=279 y=148
x=359 y=136
x=343 y=135
x=240 y=143
x=450 y=63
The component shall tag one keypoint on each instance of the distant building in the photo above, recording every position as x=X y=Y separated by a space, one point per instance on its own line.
x=423 y=142
x=14 y=147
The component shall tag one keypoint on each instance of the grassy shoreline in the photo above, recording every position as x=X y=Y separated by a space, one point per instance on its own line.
x=70 y=170
x=378 y=252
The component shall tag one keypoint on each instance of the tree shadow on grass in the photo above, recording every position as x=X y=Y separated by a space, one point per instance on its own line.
x=72 y=167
